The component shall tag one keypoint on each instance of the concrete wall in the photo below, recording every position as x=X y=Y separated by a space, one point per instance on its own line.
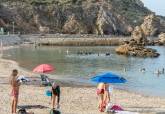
x=74 y=40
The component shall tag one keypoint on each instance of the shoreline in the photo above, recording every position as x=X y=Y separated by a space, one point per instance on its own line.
x=130 y=101
x=69 y=83
x=61 y=81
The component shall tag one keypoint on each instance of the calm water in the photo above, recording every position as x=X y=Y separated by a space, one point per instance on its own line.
x=70 y=65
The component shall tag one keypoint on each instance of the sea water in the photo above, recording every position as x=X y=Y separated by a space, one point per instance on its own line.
x=81 y=63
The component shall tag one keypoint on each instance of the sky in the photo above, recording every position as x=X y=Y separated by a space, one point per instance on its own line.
x=157 y=6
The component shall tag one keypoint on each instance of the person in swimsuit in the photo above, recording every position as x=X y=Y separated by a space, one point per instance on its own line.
x=15 y=89
x=55 y=95
x=100 y=93
x=107 y=94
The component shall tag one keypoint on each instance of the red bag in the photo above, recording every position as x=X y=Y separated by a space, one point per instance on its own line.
x=117 y=108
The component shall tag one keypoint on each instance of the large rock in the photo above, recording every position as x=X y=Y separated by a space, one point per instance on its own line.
x=138 y=51
x=151 y=25
x=109 y=23
x=162 y=38
x=139 y=36
x=73 y=26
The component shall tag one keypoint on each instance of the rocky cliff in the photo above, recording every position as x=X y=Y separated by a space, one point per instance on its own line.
x=117 y=17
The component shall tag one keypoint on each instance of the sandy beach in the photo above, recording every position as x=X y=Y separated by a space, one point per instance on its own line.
x=76 y=40
x=74 y=100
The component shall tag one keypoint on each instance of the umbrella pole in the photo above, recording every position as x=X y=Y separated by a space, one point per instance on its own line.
x=1 y=48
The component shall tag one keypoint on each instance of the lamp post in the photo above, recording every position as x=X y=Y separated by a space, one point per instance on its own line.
x=13 y=27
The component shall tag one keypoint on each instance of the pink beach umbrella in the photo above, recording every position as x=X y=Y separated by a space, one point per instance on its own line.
x=43 y=68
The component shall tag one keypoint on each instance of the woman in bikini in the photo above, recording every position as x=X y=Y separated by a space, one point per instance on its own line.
x=104 y=95
x=100 y=93
x=15 y=90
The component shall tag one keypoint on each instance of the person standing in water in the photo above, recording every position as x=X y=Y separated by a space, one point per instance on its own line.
x=15 y=84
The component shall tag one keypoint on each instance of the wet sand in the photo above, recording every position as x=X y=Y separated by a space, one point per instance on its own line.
x=74 y=99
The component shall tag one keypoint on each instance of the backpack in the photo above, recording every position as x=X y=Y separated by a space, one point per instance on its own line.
x=22 y=111
x=53 y=111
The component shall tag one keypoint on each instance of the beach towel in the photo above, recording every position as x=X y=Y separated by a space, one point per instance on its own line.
x=125 y=112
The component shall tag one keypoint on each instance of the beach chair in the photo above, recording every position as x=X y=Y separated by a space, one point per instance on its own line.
x=44 y=80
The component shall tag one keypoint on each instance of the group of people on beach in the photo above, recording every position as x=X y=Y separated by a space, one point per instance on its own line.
x=15 y=85
x=103 y=91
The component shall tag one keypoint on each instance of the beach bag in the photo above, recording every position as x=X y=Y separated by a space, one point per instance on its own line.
x=53 y=111
x=48 y=93
x=22 y=111
x=117 y=108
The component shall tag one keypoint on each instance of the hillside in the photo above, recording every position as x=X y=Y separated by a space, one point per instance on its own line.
x=116 y=17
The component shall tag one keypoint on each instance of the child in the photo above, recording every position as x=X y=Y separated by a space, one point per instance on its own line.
x=14 y=82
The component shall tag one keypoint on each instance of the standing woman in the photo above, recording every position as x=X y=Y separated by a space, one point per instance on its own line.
x=101 y=94
x=107 y=95
x=15 y=90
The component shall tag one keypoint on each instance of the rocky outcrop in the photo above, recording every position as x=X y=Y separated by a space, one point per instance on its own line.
x=151 y=25
x=106 y=24
x=109 y=23
x=162 y=38
x=138 y=36
x=137 y=51
x=72 y=16
x=136 y=46
x=73 y=26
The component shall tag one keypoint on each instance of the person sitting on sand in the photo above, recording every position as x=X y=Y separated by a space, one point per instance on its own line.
x=14 y=82
x=55 y=95
x=100 y=93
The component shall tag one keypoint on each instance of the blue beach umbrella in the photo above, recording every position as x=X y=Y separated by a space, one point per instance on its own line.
x=108 y=77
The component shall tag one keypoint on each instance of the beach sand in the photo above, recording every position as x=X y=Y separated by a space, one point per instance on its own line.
x=74 y=100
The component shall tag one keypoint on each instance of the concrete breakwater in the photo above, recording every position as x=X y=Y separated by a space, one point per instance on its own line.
x=75 y=40
x=8 y=40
